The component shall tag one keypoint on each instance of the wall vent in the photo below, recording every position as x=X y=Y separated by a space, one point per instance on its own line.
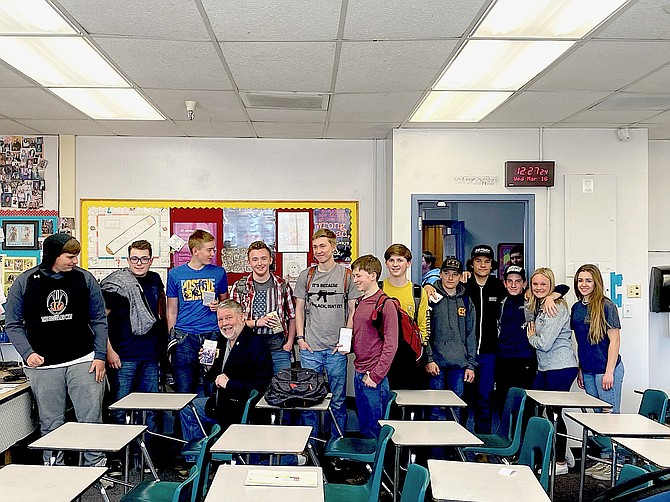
x=285 y=100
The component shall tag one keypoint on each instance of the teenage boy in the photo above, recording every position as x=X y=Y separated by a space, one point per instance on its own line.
x=56 y=320
x=405 y=373
x=193 y=293
x=374 y=348
x=450 y=353
x=325 y=301
x=261 y=293
x=135 y=307
x=430 y=274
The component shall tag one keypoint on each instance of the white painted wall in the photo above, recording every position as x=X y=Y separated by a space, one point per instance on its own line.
x=233 y=169
x=659 y=254
x=429 y=161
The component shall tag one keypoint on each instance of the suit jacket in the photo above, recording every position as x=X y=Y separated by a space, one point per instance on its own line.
x=249 y=366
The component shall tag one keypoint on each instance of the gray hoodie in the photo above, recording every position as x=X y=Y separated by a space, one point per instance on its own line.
x=453 y=340
x=553 y=339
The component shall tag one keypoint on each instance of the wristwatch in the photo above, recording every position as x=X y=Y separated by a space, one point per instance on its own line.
x=299 y=337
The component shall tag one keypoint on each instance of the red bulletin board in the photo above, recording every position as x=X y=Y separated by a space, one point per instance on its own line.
x=199 y=215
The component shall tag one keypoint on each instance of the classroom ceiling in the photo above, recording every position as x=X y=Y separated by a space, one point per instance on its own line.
x=369 y=61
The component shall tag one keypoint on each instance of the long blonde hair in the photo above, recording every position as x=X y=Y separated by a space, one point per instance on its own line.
x=534 y=303
x=596 y=306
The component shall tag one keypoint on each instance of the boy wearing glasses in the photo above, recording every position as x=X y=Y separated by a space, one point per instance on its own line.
x=135 y=307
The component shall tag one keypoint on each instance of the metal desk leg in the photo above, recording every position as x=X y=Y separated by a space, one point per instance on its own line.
x=585 y=438
x=453 y=413
x=396 y=473
x=552 y=463
x=103 y=493
x=145 y=455
x=195 y=413
x=144 y=422
x=332 y=415
x=461 y=454
x=126 y=468
x=614 y=448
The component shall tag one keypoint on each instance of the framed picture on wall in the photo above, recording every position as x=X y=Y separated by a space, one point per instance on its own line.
x=20 y=235
x=509 y=254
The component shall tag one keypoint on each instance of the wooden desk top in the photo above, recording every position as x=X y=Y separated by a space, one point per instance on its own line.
x=163 y=401
x=36 y=483
x=431 y=433
x=77 y=436
x=322 y=406
x=467 y=481
x=228 y=486
x=272 y=439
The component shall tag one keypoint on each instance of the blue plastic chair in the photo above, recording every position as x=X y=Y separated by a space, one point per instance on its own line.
x=508 y=440
x=166 y=491
x=416 y=484
x=536 y=448
x=369 y=492
x=357 y=449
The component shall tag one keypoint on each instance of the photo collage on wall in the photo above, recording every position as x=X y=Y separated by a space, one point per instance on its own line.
x=22 y=168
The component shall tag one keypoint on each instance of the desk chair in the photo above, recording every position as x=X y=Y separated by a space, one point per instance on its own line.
x=416 y=484
x=536 y=448
x=507 y=441
x=357 y=449
x=369 y=492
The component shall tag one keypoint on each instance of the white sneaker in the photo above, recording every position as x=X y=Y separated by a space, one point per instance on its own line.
x=569 y=458
x=560 y=469
x=605 y=474
x=594 y=469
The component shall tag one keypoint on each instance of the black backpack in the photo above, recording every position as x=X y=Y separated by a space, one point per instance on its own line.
x=296 y=387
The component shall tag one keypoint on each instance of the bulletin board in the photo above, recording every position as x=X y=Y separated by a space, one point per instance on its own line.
x=109 y=226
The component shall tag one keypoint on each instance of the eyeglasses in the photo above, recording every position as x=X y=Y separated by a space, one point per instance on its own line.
x=136 y=259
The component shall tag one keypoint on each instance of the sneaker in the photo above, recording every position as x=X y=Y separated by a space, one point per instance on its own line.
x=482 y=458
x=115 y=469
x=106 y=483
x=302 y=459
x=604 y=474
x=560 y=469
x=596 y=468
x=569 y=458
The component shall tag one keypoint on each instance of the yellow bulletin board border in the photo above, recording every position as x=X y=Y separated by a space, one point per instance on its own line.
x=219 y=204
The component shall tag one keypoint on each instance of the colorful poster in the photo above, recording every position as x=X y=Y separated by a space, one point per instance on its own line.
x=14 y=267
x=339 y=221
x=184 y=230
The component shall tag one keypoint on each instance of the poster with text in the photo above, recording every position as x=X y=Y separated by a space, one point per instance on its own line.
x=339 y=221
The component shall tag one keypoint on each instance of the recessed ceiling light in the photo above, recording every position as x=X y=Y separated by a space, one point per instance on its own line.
x=458 y=106
x=109 y=104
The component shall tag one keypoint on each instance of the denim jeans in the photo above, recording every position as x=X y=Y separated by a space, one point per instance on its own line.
x=133 y=376
x=484 y=381
x=190 y=428
x=452 y=377
x=335 y=367
x=593 y=385
x=280 y=360
x=370 y=404
x=186 y=367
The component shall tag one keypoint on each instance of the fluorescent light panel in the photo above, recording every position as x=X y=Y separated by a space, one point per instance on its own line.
x=499 y=64
x=545 y=18
x=458 y=106
x=111 y=104
x=30 y=17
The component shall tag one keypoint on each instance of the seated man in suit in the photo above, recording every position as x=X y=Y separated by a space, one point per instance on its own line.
x=243 y=362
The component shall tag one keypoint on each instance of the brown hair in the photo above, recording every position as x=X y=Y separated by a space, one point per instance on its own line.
x=369 y=264
x=398 y=250
x=328 y=234
x=142 y=245
x=596 y=307
x=198 y=238
x=72 y=247
x=256 y=245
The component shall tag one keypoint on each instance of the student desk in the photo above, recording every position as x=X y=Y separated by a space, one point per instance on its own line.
x=264 y=439
x=427 y=433
x=228 y=486
x=321 y=408
x=36 y=483
x=107 y=438
x=655 y=451
x=426 y=397
x=17 y=418
x=467 y=481
x=610 y=425
x=560 y=400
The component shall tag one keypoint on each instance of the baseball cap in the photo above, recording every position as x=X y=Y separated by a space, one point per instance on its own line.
x=482 y=250
x=515 y=269
x=451 y=263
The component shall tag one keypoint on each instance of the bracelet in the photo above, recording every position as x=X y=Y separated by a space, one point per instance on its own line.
x=255 y=323
x=299 y=337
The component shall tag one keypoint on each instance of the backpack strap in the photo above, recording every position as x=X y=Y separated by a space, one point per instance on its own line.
x=416 y=290
x=347 y=274
x=310 y=276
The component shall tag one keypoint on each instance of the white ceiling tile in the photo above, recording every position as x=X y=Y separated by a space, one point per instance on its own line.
x=142 y=127
x=168 y=64
x=287 y=130
x=9 y=127
x=11 y=78
x=604 y=66
x=659 y=132
x=661 y=118
x=644 y=19
x=34 y=103
x=409 y=19
x=281 y=66
x=212 y=105
x=373 y=130
x=172 y=19
x=273 y=20
x=295 y=116
x=657 y=82
x=76 y=127
x=608 y=118
x=391 y=66
x=543 y=106
x=512 y=125
x=391 y=107
x=215 y=129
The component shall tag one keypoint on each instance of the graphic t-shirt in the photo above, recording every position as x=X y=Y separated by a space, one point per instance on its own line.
x=325 y=309
x=188 y=285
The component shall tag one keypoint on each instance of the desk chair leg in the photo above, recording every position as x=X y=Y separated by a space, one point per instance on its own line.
x=145 y=455
x=585 y=438
x=195 y=413
x=461 y=454
x=552 y=462
x=337 y=426
x=103 y=492
x=126 y=468
x=312 y=455
x=144 y=422
x=614 y=449
x=396 y=473
x=453 y=414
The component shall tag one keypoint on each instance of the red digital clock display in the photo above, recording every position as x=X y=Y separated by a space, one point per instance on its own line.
x=529 y=173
